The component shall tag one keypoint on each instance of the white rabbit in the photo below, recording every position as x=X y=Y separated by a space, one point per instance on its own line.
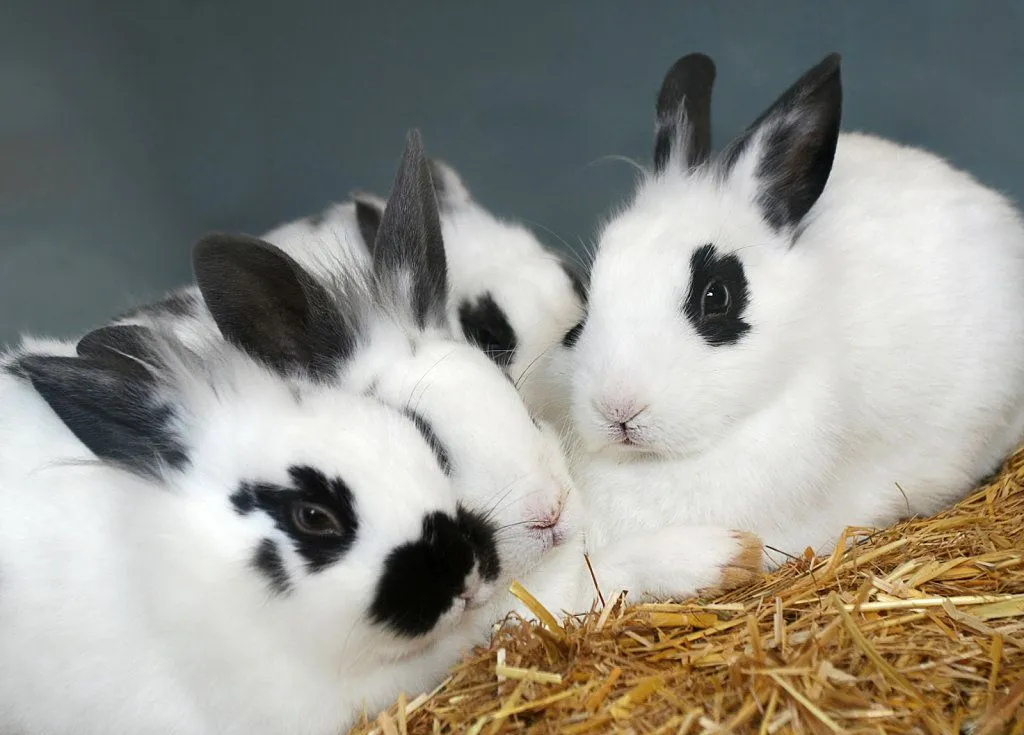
x=508 y=294
x=247 y=554
x=809 y=331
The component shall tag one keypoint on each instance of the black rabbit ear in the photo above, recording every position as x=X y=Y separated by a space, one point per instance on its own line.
x=265 y=303
x=790 y=148
x=369 y=211
x=408 y=255
x=115 y=412
x=683 y=128
x=127 y=346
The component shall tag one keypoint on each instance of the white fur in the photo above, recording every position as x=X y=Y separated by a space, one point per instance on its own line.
x=491 y=255
x=883 y=374
x=130 y=605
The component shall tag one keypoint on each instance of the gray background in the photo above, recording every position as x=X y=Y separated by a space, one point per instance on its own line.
x=127 y=129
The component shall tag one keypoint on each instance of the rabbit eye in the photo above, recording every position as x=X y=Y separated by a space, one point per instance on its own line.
x=315 y=520
x=716 y=299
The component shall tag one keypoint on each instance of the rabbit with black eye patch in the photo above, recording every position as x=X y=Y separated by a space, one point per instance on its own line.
x=502 y=463
x=808 y=331
x=242 y=554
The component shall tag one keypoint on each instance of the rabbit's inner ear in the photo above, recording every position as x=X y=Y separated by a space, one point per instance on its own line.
x=789 y=150
x=368 y=216
x=115 y=413
x=408 y=254
x=683 y=128
x=265 y=303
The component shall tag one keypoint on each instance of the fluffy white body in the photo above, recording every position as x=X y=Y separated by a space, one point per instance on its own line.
x=879 y=368
x=133 y=604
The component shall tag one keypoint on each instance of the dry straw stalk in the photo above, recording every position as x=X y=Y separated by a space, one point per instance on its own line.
x=915 y=629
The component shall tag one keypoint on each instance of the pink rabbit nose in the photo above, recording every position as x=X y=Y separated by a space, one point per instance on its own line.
x=619 y=415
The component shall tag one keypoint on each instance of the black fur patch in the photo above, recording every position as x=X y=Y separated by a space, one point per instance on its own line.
x=180 y=303
x=485 y=325
x=708 y=267
x=310 y=486
x=578 y=287
x=116 y=414
x=268 y=562
x=422 y=579
x=572 y=336
x=480 y=533
x=430 y=436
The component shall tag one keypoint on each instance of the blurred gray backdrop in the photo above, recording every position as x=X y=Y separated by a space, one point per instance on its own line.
x=128 y=129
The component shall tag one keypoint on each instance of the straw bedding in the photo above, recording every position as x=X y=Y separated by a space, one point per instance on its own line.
x=916 y=629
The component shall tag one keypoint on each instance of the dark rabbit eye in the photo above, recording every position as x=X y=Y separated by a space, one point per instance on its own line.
x=716 y=300
x=315 y=520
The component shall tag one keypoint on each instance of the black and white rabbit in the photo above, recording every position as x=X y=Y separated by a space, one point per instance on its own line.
x=807 y=331
x=243 y=554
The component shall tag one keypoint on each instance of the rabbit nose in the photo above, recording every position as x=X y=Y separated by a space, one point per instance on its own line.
x=619 y=412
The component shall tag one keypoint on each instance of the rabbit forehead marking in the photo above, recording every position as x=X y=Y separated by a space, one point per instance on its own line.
x=722 y=275
x=430 y=437
x=312 y=486
x=485 y=325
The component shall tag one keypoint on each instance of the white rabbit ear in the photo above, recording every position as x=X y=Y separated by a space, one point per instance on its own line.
x=451 y=190
x=369 y=211
x=265 y=303
x=116 y=413
x=683 y=128
x=408 y=254
x=788 y=151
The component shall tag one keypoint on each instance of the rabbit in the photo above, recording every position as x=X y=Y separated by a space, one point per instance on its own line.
x=508 y=294
x=243 y=554
x=781 y=338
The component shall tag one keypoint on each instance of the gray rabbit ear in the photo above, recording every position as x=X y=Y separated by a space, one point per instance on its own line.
x=791 y=146
x=115 y=412
x=268 y=305
x=130 y=347
x=683 y=128
x=408 y=255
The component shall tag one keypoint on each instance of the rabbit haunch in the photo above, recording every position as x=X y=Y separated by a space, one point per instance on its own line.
x=808 y=331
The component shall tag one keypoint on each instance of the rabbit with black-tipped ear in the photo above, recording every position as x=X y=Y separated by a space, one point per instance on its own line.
x=243 y=552
x=807 y=331
x=509 y=295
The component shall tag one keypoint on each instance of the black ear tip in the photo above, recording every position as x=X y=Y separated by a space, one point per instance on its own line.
x=691 y=76
x=697 y=64
x=826 y=70
x=103 y=339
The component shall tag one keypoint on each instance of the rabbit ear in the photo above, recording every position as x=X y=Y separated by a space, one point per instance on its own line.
x=683 y=128
x=788 y=151
x=408 y=254
x=450 y=189
x=127 y=346
x=265 y=303
x=369 y=210
x=114 y=412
